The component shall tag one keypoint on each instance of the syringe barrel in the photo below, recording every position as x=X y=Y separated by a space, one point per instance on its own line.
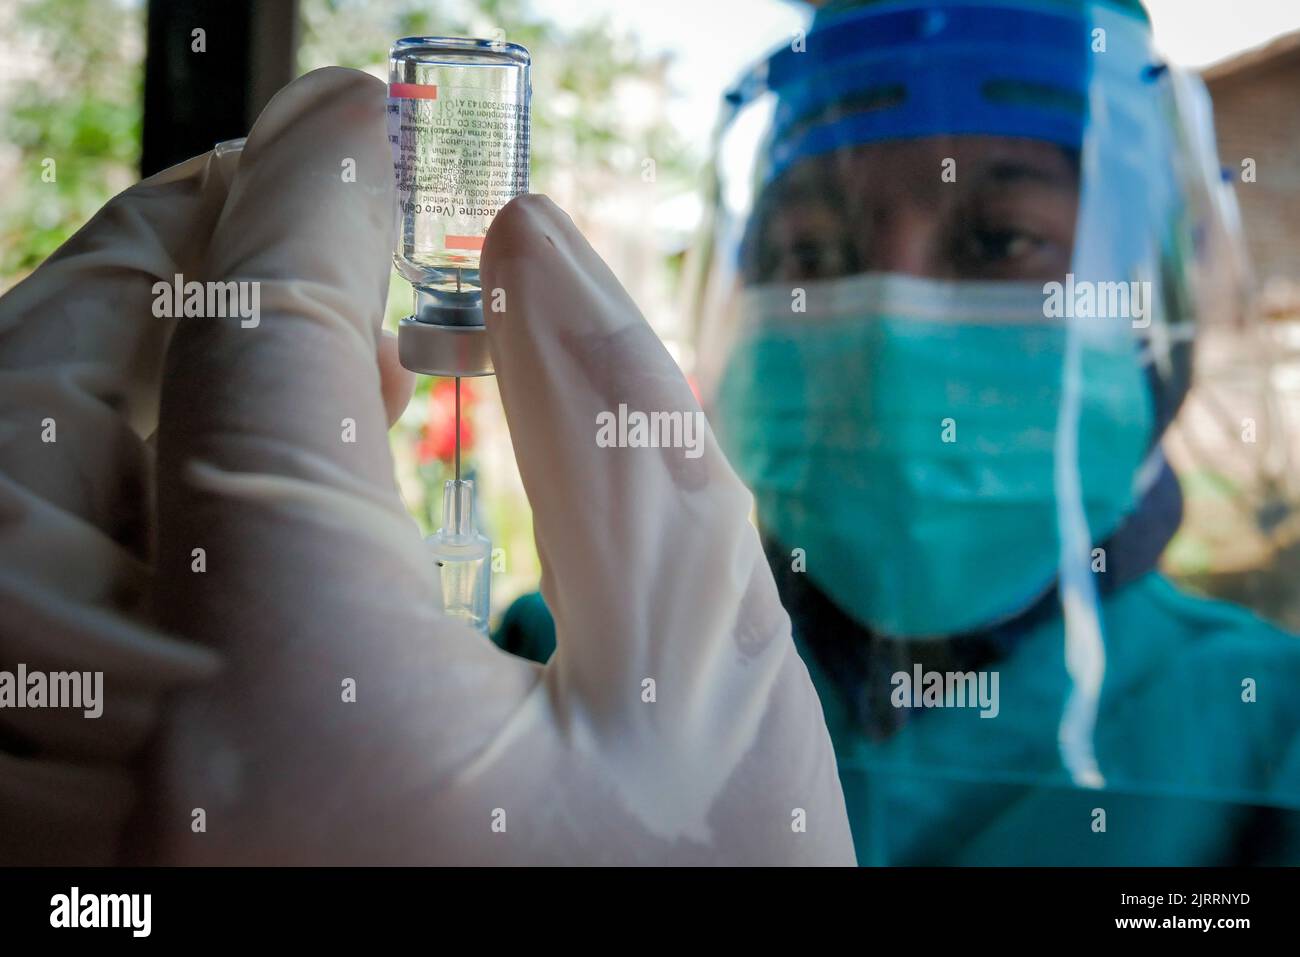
x=463 y=556
x=458 y=509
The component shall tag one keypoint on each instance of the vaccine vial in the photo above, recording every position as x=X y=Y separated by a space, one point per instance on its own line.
x=458 y=124
x=463 y=556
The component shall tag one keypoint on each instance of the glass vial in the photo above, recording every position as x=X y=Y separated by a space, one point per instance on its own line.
x=458 y=122
x=463 y=556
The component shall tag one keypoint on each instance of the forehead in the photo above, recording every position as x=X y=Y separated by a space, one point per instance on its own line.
x=919 y=166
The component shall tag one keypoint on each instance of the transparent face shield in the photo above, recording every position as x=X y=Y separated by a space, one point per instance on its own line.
x=946 y=307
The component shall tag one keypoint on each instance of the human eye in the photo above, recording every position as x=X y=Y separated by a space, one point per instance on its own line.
x=1010 y=244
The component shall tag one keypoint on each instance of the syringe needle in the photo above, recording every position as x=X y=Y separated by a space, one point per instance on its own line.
x=458 y=452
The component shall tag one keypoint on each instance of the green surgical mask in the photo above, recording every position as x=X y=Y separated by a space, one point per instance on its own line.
x=901 y=432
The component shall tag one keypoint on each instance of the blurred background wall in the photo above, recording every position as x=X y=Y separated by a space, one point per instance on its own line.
x=1240 y=537
x=1257 y=104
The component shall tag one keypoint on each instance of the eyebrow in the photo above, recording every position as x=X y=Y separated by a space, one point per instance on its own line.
x=1004 y=172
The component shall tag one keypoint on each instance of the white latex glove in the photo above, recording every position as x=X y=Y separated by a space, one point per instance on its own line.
x=452 y=751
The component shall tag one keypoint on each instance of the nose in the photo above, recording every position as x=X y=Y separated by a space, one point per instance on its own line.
x=902 y=241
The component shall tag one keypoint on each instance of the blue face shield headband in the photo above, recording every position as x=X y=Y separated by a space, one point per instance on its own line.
x=906 y=70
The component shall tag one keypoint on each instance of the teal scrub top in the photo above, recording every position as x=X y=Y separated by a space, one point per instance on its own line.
x=1197 y=736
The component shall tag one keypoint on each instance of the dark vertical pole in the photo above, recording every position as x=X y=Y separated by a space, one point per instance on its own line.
x=194 y=98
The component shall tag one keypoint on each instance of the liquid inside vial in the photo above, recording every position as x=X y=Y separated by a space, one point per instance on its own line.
x=458 y=123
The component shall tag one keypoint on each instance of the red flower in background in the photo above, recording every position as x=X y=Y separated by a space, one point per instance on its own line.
x=438 y=438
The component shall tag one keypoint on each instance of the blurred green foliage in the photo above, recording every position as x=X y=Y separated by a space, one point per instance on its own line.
x=79 y=68
x=577 y=122
x=76 y=72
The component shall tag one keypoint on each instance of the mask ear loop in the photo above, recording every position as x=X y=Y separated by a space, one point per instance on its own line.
x=1106 y=165
x=1085 y=649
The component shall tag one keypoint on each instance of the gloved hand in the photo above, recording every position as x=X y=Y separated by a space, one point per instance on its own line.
x=315 y=578
x=81 y=355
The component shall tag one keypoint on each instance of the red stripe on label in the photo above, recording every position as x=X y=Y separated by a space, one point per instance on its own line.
x=413 y=91
x=464 y=242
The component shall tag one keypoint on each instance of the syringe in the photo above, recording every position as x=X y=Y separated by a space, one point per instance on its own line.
x=460 y=550
x=463 y=556
x=449 y=188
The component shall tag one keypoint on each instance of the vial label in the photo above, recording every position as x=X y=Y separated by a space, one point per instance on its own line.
x=459 y=155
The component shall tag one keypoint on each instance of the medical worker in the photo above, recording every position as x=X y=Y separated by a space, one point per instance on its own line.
x=959 y=256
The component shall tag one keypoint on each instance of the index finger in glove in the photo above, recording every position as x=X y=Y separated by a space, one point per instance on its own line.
x=292 y=391
x=650 y=565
